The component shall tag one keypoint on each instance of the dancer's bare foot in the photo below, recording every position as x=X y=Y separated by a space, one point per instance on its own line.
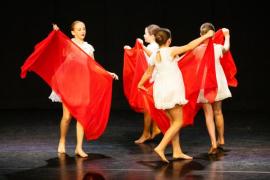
x=155 y=133
x=61 y=148
x=220 y=146
x=161 y=155
x=182 y=156
x=213 y=150
x=81 y=153
x=142 y=139
x=220 y=142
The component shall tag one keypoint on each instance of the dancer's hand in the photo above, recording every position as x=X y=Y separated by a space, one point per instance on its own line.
x=210 y=33
x=55 y=27
x=127 y=47
x=140 y=40
x=114 y=75
x=141 y=87
x=226 y=32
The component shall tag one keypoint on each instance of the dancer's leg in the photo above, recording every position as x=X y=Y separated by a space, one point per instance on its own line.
x=80 y=135
x=210 y=124
x=146 y=135
x=217 y=106
x=64 y=125
x=176 y=114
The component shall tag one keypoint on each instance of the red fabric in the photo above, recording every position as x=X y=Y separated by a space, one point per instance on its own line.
x=83 y=85
x=198 y=71
x=227 y=61
x=135 y=64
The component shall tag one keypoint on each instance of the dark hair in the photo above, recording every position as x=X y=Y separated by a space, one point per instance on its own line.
x=152 y=29
x=74 y=23
x=205 y=27
x=162 y=35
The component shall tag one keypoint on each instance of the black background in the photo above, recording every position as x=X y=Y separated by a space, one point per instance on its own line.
x=112 y=24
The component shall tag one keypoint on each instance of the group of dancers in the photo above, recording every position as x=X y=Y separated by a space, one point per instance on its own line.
x=168 y=84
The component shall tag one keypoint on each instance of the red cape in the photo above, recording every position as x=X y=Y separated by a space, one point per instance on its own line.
x=83 y=85
x=193 y=65
x=133 y=69
x=135 y=64
x=198 y=70
x=227 y=61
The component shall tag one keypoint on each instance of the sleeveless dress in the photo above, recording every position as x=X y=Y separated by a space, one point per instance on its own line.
x=153 y=47
x=223 y=91
x=168 y=88
x=89 y=49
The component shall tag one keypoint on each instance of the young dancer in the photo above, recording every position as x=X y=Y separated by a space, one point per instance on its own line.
x=78 y=30
x=168 y=88
x=213 y=111
x=150 y=130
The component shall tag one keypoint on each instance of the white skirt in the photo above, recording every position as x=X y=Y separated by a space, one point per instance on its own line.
x=223 y=91
x=169 y=92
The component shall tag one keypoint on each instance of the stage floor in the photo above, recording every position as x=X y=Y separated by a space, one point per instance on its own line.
x=29 y=139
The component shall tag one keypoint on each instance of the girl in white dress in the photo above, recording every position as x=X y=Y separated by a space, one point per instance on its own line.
x=168 y=89
x=149 y=37
x=78 y=31
x=214 y=111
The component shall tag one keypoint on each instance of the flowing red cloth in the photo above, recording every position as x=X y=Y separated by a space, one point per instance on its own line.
x=227 y=61
x=135 y=64
x=198 y=71
x=83 y=85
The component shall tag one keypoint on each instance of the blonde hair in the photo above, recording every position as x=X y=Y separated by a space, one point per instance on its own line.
x=74 y=23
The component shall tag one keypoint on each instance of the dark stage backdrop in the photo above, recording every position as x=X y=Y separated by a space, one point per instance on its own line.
x=112 y=24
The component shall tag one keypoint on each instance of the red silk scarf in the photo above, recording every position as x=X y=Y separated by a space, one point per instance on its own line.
x=83 y=85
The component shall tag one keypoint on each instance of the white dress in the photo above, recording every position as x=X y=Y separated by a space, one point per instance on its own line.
x=153 y=47
x=89 y=49
x=223 y=91
x=168 y=88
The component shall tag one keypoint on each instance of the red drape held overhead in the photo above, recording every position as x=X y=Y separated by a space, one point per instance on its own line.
x=227 y=61
x=83 y=85
x=135 y=64
x=198 y=71
x=197 y=66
